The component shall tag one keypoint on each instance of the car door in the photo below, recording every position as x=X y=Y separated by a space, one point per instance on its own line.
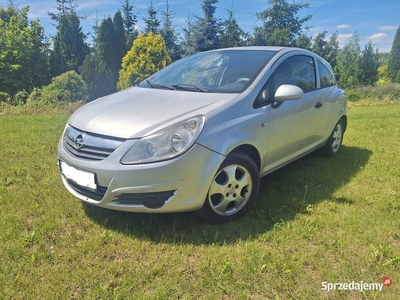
x=329 y=96
x=293 y=125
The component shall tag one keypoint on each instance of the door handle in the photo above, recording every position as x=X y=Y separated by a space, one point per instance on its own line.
x=319 y=104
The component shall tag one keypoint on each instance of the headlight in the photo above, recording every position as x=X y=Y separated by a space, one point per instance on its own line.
x=165 y=144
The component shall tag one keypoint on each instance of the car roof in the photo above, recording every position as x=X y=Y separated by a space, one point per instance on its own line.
x=273 y=48
x=265 y=48
x=277 y=49
x=256 y=48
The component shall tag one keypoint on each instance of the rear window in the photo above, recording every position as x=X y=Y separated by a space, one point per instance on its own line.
x=326 y=76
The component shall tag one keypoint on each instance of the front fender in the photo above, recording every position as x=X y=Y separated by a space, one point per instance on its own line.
x=237 y=125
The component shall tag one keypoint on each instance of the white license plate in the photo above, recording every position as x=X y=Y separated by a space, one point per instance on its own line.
x=83 y=178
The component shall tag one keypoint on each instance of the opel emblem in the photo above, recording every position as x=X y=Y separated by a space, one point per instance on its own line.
x=79 y=141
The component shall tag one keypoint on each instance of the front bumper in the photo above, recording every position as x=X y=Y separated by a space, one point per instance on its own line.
x=176 y=185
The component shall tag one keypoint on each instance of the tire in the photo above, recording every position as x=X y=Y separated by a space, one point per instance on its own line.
x=334 y=143
x=233 y=189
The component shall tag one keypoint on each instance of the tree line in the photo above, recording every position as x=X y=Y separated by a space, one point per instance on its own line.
x=120 y=54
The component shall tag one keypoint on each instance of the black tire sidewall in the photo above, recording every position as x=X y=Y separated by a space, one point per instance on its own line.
x=328 y=146
x=208 y=214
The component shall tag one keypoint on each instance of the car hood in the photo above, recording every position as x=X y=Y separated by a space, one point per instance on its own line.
x=137 y=112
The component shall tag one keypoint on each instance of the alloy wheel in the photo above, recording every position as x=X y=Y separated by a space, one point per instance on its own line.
x=230 y=190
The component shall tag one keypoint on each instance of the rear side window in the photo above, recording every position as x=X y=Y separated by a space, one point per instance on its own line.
x=326 y=76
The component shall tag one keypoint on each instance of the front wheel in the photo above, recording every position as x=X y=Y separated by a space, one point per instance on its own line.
x=334 y=143
x=233 y=189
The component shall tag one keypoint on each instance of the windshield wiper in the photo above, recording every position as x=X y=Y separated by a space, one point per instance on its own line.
x=158 y=86
x=189 y=87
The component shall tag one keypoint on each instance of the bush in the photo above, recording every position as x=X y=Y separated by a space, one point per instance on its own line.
x=147 y=56
x=35 y=96
x=20 y=98
x=68 y=87
x=385 y=92
x=383 y=77
x=352 y=95
x=4 y=97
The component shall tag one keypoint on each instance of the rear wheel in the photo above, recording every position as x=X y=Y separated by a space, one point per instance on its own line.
x=233 y=190
x=335 y=140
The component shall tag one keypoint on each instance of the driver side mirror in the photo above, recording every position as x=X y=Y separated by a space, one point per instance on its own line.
x=287 y=92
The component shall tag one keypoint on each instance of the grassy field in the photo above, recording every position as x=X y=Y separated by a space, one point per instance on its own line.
x=316 y=220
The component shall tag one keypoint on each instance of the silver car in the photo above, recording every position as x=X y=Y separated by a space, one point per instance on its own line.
x=199 y=134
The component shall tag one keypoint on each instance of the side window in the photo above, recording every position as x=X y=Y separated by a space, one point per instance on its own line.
x=297 y=70
x=326 y=76
x=303 y=72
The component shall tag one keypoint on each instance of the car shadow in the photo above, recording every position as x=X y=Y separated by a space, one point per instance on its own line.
x=285 y=193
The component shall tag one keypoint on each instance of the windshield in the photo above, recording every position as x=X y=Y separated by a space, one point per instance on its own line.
x=224 y=71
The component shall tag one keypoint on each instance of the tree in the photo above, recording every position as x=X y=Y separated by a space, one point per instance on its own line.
x=319 y=44
x=152 y=21
x=281 y=24
x=112 y=44
x=204 y=32
x=64 y=7
x=369 y=65
x=120 y=38
x=188 y=44
x=332 y=49
x=97 y=76
x=394 y=59
x=95 y=31
x=130 y=21
x=147 y=56
x=94 y=71
x=105 y=38
x=326 y=48
x=24 y=50
x=168 y=33
x=69 y=47
x=232 y=35
x=304 y=42
x=348 y=63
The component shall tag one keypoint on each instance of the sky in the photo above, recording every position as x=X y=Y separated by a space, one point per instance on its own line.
x=375 y=21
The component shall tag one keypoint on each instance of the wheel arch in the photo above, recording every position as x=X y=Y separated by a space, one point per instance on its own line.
x=344 y=118
x=250 y=151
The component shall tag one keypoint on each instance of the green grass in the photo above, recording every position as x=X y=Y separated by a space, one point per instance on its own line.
x=318 y=219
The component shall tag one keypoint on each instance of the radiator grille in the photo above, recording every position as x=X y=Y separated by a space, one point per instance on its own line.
x=88 y=146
